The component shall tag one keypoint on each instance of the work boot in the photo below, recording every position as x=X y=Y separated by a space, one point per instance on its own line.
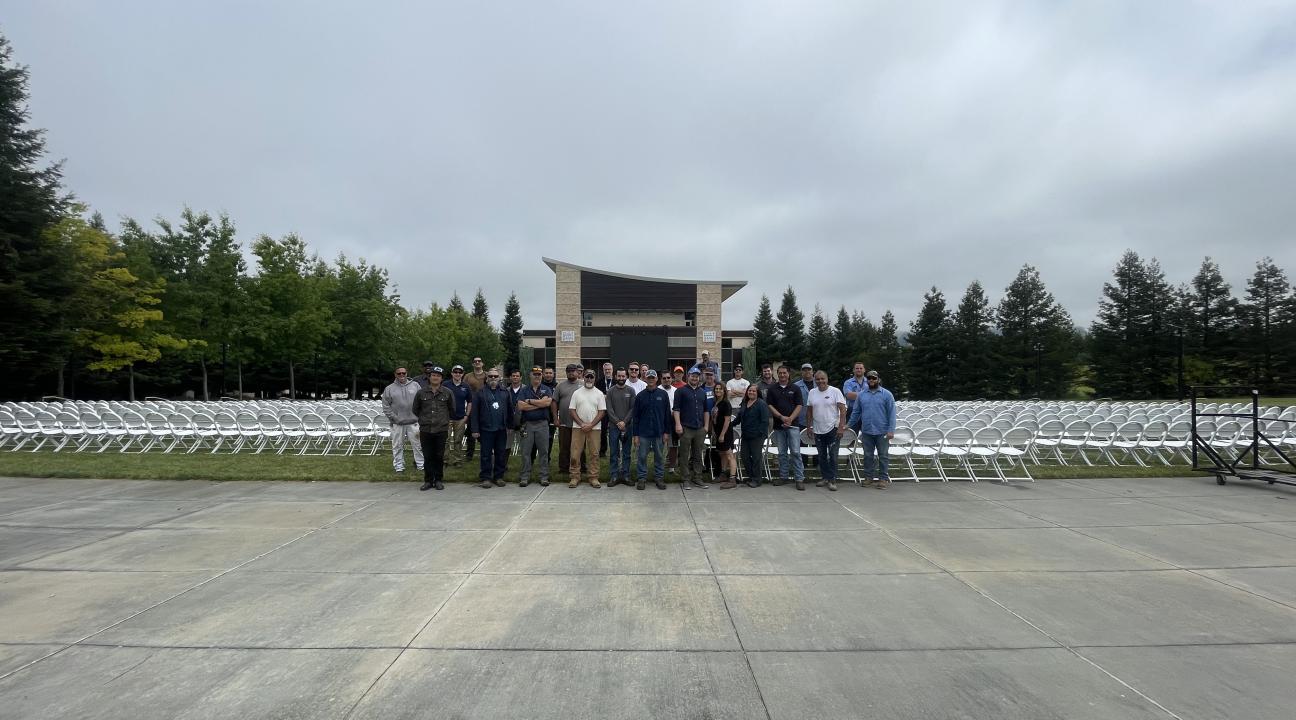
x=425 y=486
x=613 y=482
x=439 y=485
x=821 y=483
x=485 y=484
x=640 y=485
x=832 y=487
x=524 y=483
x=661 y=484
x=728 y=483
x=499 y=482
x=800 y=485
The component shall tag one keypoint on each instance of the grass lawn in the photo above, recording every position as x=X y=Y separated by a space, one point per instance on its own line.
x=376 y=468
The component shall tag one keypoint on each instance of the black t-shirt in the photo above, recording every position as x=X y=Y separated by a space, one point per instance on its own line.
x=783 y=400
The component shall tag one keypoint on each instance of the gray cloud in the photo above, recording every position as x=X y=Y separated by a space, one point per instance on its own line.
x=860 y=152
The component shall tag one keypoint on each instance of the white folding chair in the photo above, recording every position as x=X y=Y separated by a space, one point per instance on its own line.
x=956 y=445
x=1015 y=448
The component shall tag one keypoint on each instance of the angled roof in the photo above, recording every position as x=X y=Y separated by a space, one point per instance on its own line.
x=727 y=287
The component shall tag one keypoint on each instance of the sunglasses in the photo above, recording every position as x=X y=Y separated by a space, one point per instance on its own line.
x=492 y=377
x=400 y=373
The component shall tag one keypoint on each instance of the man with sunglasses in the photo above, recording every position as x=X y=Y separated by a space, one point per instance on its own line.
x=489 y=421
x=633 y=379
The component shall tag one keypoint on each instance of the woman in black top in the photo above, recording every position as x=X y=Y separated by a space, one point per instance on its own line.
x=723 y=436
x=753 y=418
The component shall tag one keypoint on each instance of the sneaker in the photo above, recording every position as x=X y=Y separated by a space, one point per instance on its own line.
x=544 y=483
x=573 y=483
x=523 y=483
x=613 y=482
x=832 y=487
x=419 y=468
x=661 y=484
x=499 y=482
x=439 y=485
x=752 y=484
x=485 y=484
x=883 y=483
x=821 y=483
x=425 y=486
x=800 y=485
x=595 y=484
x=640 y=485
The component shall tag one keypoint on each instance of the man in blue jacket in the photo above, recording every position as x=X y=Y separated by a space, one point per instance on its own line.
x=490 y=420
x=873 y=415
x=648 y=418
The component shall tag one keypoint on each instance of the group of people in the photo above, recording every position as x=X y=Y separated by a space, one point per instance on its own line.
x=635 y=411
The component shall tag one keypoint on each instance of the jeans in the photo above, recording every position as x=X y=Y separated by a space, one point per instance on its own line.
x=434 y=447
x=618 y=453
x=789 y=452
x=535 y=443
x=494 y=454
x=827 y=444
x=753 y=457
x=399 y=434
x=879 y=442
x=692 y=445
x=659 y=470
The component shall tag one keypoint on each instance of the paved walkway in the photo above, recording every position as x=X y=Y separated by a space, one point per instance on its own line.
x=1103 y=599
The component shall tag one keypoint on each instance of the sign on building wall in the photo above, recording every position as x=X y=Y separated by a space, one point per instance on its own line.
x=708 y=336
x=569 y=336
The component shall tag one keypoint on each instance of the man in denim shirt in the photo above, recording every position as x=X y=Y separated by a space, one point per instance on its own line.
x=873 y=415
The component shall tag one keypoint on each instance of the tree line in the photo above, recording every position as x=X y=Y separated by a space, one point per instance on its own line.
x=1150 y=339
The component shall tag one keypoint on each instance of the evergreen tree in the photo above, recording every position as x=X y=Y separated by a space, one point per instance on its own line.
x=972 y=342
x=1037 y=342
x=34 y=274
x=1213 y=309
x=1131 y=339
x=1268 y=313
x=364 y=316
x=931 y=352
x=764 y=334
x=480 y=310
x=889 y=357
x=456 y=305
x=846 y=348
x=819 y=342
x=288 y=300
x=511 y=332
x=790 y=322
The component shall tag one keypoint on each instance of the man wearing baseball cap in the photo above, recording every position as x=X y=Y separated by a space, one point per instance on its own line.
x=874 y=418
x=462 y=393
x=562 y=404
x=692 y=423
x=434 y=406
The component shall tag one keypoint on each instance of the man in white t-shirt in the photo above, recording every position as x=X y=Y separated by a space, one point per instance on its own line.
x=737 y=387
x=826 y=417
x=588 y=405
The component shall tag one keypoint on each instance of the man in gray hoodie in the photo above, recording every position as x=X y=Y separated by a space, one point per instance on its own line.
x=398 y=406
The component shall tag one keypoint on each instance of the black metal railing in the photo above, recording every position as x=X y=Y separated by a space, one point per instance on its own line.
x=1222 y=463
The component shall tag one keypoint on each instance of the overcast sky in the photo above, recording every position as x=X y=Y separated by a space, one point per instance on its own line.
x=859 y=151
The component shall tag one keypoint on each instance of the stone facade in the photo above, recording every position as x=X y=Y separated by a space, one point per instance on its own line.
x=707 y=319
x=567 y=306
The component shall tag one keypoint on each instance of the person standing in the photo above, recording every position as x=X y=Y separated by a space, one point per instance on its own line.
x=826 y=418
x=766 y=381
x=785 y=404
x=692 y=423
x=706 y=363
x=398 y=406
x=490 y=421
x=476 y=381
x=551 y=382
x=677 y=378
x=515 y=387
x=633 y=379
x=722 y=439
x=620 y=401
x=562 y=401
x=874 y=417
x=434 y=406
x=463 y=405
x=805 y=385
x=588 y=406
x=605 y=384
x=672 y=440
x=855 y=382
x=753 y=421
x=649 y=421
x=737 y=387
x=422 y=380
x=534 y=403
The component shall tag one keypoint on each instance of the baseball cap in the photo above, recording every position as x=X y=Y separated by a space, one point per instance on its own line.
x=738 y=366
x=807 y=366
x=428 y=363
x=871 y=374
x=694 y=371
x=572 y=366
x=456 y=367
x=651 y=373
x=437 y=369
x=678 y=368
